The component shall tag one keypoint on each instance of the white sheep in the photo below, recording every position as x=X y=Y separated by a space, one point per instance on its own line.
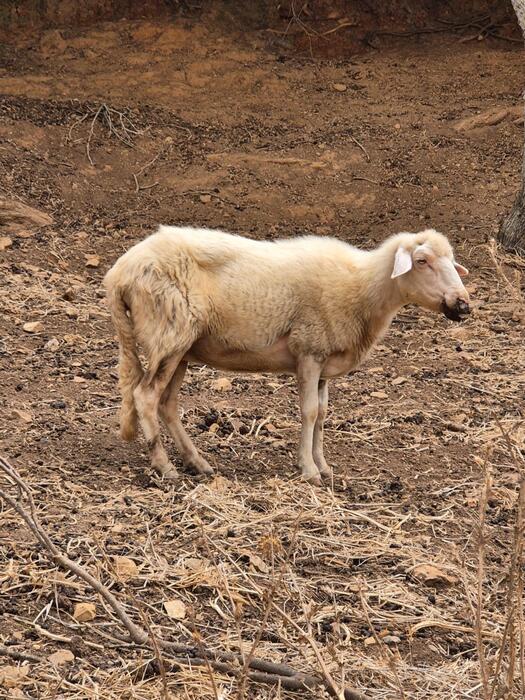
x=308 y=306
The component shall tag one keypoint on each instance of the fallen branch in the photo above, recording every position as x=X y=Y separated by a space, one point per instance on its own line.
x=18 y=654
x=117 y=122
x=261 y=670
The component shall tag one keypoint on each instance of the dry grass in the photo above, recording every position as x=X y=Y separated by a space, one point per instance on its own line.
x=344 y=578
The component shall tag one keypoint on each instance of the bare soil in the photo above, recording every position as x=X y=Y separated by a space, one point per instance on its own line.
x=236 y=130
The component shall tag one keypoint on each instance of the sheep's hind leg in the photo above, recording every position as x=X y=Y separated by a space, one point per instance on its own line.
x=147 y=397
x=318 y=453
x=308 y=374
x=169 y=411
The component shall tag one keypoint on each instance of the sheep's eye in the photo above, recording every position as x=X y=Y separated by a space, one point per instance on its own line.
x=421 y=262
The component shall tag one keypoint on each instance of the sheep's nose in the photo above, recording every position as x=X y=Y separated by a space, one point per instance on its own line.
x=462 y=307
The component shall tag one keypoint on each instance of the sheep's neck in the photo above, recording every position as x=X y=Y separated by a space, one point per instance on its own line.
x=371 y=316
x=380 y=302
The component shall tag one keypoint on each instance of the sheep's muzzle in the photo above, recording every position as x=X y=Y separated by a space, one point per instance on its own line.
x=456 y=312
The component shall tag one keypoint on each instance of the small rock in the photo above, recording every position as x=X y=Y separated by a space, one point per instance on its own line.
x=339 y=87
x=126 y=568
x=391 y=639
x=432 y=576
x=176 y=609
x=92 y=260
x=63 y=656
x=84 y=612
x=5 y=242
x=222 y=384
x=491 y=117
x=205 y=198
x=399 y=380
x=23 y=415
x=58 y=404
x=71 y=312
x=52 y=345
x=33 y=327
x=379 y=395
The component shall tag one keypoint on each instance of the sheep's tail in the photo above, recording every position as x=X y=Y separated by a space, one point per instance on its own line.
x=130 y=368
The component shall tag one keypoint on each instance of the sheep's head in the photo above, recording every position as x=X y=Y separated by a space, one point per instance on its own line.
x=427 y=274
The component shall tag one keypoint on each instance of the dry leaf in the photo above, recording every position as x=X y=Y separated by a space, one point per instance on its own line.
x=255 y=561
x=84 y=612
x=125 y=568
x=33 y=327
x=220 y=483
x=222 y=384
x=175 y=609
x=63 y=656
x=92 y=260
x=73 y=339
x=13 y=676
x=432 y=576
x=5 y=242
x=369 y=641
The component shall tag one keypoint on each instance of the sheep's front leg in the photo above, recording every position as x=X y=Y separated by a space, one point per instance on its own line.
x=308 y=375
x=319 y=459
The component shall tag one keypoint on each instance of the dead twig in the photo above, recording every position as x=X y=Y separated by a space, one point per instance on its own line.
x=481 y=544
x=360 y=145
x=148 y=165
x=385 y=651
x=19 y=654
x=118 y=124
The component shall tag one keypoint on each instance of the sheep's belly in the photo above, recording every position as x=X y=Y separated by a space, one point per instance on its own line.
x=273 y=358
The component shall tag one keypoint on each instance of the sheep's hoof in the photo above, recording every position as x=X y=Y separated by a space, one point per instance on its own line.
x=312 y=476
x=324 y=468
x=315 y=480
x=199 y=465
x=167 y=471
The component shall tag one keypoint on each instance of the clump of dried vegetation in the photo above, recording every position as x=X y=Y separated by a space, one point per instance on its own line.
x=258 y=577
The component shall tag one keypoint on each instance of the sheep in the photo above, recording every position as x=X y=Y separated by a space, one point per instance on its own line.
x=310 y=306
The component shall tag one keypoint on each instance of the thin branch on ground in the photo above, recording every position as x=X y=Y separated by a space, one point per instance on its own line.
x=481 y=546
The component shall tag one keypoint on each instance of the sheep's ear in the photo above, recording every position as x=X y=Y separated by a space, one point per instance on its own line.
x=402 y=262
x=462 y=271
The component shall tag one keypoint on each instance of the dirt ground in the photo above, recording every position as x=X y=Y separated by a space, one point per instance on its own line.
x=217 y=128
